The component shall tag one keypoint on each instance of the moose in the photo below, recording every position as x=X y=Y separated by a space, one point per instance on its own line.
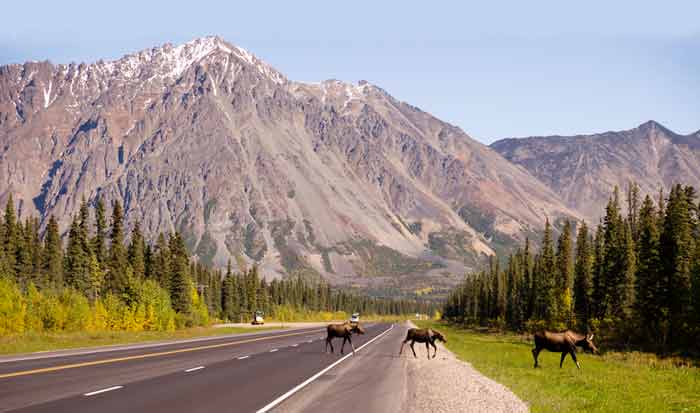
x=344 y=330
x=565 y=343
x=427 y=336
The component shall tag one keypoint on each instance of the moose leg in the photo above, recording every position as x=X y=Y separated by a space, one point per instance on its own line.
x=427 y=348
x=413 y=350
x=402 y=344
x=432 y=343
x=563 y=356
x=329 y=341
x=353 y=347
x=343 y=346
x=573 y=356
x=535 y=353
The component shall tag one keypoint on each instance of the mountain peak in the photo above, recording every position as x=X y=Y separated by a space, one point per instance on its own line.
x=652 y=125
x=171 y=61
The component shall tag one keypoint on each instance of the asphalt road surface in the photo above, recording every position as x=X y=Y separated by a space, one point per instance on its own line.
x=270 y=371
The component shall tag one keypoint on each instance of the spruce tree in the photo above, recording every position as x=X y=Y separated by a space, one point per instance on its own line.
x=11 y=237
x=545 y=280
x=675 y=242
x=99 y=240
x=161 y=262
x=180 y=282
x=564 y=273
x=650 y=306
x=583 y=278
x=137 y=252
x=53 y=255
x=117 y=278
x=77 y=259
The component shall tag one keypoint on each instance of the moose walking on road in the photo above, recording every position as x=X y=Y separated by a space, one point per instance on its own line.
x=427 y=336
x=345 y=331
x=565 y=343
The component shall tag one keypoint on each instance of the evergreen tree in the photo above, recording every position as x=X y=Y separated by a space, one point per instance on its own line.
x=161 y=262
x=599 y=292
x=633 y=209
x=98 y=242
x=137 y=252
x=675 y=243
x=583 y=278
x=650 y=306
x=77 y=260
x=180 y=281
x=117 y=278
x=545 y=280
x=53 y=255
x=613 y=249
x=564 y=273
x=11 y=237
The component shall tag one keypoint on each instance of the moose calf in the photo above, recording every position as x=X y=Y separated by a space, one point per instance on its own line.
x=427 y=336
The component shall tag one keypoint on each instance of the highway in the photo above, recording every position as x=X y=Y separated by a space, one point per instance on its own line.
x=284 y=370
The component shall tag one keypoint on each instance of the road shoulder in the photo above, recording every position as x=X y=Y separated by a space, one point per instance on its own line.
x=447 y=384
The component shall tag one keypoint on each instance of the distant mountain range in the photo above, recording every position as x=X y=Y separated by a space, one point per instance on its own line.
x=328 y=179
x=584 y=169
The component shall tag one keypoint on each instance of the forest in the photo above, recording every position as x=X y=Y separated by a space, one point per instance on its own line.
x=633 y=279
x=99 y=278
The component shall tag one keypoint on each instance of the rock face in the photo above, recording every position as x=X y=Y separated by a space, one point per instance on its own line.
x=584 y=169
x=329 y=179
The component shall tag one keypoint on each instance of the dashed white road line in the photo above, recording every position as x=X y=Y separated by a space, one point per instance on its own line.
x=243 y=357
x=295 y=345
x=288 y=394
x=273 y=350
x=92 y=393
x=194 y=369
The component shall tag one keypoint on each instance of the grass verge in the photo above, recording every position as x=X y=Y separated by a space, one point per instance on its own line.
x=614 y=382
x=32 y=342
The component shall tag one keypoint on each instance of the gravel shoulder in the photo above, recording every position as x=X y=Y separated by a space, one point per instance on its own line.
x=447 y=384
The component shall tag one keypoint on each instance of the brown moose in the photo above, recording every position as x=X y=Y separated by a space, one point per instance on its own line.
x=427 y=336
x=345 y=331
x=564 y=343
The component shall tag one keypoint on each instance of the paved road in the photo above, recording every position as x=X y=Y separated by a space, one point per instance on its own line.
x=235 y=373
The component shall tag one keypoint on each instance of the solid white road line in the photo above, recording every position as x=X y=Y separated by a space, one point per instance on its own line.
x=243 y=357
x=273 y=350
x=92 y=393
x=194 y=369
x=288 y=394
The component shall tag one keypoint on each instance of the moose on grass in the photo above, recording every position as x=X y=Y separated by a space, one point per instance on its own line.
x=564 y=343
x=344 y=330
x=427 y=336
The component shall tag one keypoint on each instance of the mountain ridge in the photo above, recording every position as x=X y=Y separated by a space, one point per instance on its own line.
x=325 y=179
x=584 y=169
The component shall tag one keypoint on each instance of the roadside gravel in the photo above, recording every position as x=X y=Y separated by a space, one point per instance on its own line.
x=447 y=384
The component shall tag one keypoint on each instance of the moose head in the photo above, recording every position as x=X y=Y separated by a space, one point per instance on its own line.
x=588 y=344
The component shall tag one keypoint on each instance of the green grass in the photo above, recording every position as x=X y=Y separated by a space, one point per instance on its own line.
x=31 y=342
x=613 y=382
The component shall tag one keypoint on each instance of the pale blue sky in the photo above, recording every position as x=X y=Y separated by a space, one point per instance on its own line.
x=506 y=68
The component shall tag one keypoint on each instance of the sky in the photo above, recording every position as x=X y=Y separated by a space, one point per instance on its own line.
x=496 y=69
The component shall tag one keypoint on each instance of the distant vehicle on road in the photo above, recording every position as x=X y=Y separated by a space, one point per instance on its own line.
x=355 y=318
x=258 y=318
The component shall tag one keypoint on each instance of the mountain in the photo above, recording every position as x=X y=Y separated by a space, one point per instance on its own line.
x=584 y=169
x=328 y=179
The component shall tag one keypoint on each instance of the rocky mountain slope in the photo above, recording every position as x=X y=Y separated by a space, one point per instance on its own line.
x=329 y=179
x=584 y=169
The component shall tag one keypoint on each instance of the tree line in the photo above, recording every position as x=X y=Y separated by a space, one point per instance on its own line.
x=634 y=278
x=102 y=278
